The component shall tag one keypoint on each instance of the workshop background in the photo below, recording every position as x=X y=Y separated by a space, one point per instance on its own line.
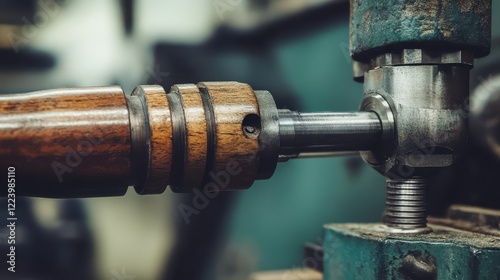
x=296 y=49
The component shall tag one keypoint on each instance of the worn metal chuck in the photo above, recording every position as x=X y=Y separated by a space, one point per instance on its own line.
x=417 y=79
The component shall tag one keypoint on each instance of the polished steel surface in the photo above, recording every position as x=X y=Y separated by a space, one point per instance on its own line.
x=327 y=154
x=428 y=103
x=327 y=132
x=421 y=99
x=377 y=103
x=269 y=140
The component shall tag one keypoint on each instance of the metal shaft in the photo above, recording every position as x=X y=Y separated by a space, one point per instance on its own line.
x=302 y=133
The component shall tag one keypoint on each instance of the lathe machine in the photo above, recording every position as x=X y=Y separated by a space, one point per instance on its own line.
x=414 y=58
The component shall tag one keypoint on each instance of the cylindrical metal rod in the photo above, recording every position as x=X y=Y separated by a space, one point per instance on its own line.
x=327 y=154
x=327 y=132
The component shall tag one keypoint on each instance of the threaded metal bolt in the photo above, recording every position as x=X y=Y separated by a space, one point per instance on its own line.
x=405 y=204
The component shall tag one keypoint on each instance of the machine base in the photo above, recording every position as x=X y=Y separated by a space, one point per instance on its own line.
x=370 y=251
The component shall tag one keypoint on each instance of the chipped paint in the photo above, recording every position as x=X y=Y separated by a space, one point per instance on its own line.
x=381 y=24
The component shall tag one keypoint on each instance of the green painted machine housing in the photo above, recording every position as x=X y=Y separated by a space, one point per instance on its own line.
x=377 y=26
x=367 y=251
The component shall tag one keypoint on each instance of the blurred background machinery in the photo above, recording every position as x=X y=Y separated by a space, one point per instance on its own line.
x=299 y=51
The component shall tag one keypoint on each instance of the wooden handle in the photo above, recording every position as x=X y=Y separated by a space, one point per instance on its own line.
x=98 y=141
x=66 y=142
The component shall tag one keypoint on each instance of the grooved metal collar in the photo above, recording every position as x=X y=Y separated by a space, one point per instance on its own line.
x=413 y=57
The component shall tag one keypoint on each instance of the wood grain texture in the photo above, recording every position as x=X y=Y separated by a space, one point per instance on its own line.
x=196 y=140
x=67 y=142
x=77 y=142
x=160 y=122
x=232 y=102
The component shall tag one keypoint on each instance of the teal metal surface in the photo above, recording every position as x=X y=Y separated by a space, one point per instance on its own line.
x=355 y=251
x=376 y=24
